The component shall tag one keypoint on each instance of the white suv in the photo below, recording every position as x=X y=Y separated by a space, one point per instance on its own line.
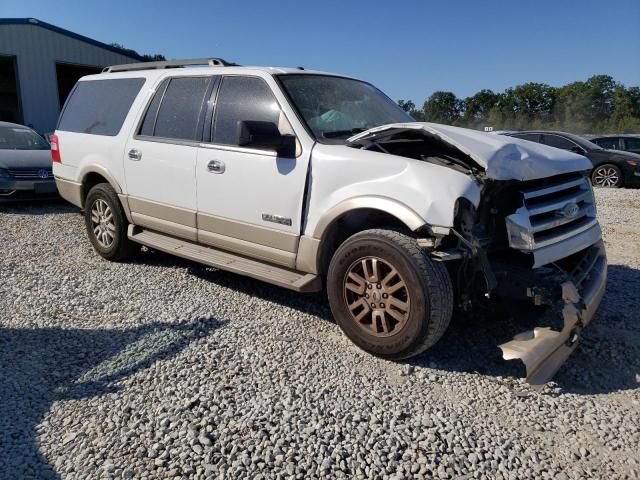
x=293 y=176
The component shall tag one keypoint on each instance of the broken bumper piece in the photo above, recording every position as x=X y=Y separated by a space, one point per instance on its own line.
x=543 y=350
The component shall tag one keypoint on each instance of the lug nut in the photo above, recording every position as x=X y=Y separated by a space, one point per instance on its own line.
x=385 y=295
x=382 y=305
x=373 y=305
x=366 y=295
x=369 y=286
x=378 y=286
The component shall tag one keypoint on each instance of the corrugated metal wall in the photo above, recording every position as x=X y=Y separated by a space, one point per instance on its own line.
x=37 y=50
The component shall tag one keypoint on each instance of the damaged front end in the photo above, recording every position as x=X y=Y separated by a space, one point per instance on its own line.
x=533 y=240
x=542 y=252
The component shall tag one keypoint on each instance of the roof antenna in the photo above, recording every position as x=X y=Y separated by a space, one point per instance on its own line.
x=300 y=68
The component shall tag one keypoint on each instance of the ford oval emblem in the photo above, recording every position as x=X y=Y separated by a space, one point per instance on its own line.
x=570 y=210
x=43 y=174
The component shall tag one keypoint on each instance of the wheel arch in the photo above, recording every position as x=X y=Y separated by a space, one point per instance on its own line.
x=355 y=215
x=93 y=175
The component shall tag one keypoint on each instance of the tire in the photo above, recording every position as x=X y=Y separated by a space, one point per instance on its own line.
x=417 y=312
x=607 y=176
x=107 y=224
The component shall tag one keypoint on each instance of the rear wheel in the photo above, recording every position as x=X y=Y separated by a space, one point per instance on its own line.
x=387 y=296
x=606 y=175
x=107 y=224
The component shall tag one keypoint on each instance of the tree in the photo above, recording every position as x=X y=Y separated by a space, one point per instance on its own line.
x=145 y=58
x=410 y=107
x=597 y=105
x=478 y=107
x=442 y=107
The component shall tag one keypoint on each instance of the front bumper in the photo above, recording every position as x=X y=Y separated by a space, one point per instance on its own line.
x=12 y=189
x=544 y=349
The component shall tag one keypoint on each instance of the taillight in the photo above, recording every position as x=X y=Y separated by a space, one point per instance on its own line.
x=55 y=149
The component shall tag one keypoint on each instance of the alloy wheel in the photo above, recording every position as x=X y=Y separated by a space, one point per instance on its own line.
x=376 y=296
x=102 y=223
x=606 y=177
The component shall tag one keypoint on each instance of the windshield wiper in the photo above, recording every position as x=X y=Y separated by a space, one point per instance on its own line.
x=342 y=133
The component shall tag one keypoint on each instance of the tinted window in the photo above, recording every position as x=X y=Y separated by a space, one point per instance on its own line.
x=152 y=112
x=99 y=107
x=558 y=142
x=532 y=137
x=633 y=144
x=242 y=98
x=608 y=143
x=179 y=113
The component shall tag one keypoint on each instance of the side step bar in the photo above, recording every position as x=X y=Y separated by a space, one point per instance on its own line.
x=281 y=276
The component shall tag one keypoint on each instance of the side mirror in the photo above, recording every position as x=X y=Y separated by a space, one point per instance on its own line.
x=267 y=136
x=578 y=150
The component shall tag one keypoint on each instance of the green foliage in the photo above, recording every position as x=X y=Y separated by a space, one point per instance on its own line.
x=597 y=105
x=442 y=107
x=145 y=58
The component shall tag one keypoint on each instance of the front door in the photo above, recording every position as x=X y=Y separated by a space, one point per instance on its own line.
x=249 y=200
x=160 y=159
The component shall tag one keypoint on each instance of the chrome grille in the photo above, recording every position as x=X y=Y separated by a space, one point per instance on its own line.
x=552 y=214
x=30 y=173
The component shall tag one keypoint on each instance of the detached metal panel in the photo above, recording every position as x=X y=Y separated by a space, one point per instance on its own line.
x=37 y=49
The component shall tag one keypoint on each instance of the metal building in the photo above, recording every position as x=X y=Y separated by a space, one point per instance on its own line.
x=40 y=63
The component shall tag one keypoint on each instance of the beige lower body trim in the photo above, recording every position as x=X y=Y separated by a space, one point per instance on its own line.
x=308 y=251
x=268 y=237
x=70 y=191
x=250 y=249
x=164 y=226
x=149 y=208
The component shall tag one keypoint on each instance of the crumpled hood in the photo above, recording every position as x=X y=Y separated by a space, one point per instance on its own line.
x=25 y=159
x=502 y=157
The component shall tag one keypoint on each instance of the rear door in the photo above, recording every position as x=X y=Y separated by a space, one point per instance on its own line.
x=160 y=159
x=632 y=144
x=249 y=200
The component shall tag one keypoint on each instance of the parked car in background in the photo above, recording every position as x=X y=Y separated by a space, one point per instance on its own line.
x=611 y=168
x=25 y=164
x=627 y=143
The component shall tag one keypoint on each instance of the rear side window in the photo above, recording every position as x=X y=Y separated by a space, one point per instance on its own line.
x=242 y=98
x=99 y=107
x=633 y=144
x=608 y=143
x=180 y=110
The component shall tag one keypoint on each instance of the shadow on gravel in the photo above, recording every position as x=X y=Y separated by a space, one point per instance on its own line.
x=38 y=207
x=41 y=366
x=607 y=359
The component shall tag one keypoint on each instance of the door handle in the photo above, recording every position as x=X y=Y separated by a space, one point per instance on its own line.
x=135 y=154
x=216 y=166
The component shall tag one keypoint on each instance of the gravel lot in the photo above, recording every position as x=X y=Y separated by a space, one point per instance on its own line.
x=161 y=368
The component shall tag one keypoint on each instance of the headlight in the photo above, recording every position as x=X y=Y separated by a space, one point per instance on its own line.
x=519 y=231
x=633 y=163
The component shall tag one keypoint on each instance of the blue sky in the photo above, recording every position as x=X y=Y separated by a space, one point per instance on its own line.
x=407 y=48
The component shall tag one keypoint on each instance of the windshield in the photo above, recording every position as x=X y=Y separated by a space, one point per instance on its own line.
x=21 y=138
x=336 y=108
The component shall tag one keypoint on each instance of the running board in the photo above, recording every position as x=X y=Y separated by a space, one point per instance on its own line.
x=281 y=276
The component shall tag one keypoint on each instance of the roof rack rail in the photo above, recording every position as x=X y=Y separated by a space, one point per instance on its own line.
x=129 y=67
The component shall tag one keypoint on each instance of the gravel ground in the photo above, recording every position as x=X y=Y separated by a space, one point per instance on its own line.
x=161 y=368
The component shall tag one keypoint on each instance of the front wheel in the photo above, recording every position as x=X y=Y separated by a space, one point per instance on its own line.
x=387 y=296
x=607 y=175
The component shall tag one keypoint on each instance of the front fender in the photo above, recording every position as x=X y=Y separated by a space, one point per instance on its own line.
x=416 y=192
